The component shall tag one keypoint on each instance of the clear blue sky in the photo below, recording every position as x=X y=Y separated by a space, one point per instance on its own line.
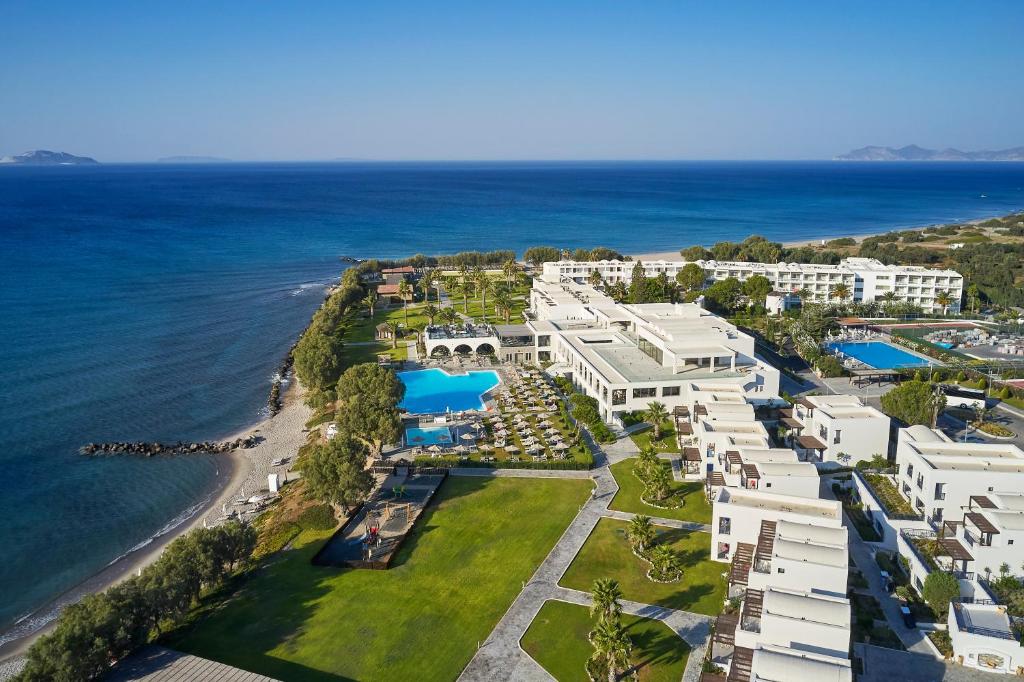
x=508 y=80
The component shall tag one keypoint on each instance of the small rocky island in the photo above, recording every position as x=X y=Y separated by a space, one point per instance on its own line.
x=43 y=157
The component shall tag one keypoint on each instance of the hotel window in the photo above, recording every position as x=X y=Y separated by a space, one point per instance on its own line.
x=650 y=350
x=645 y=392
x=835 y=437
x=619 y=396
x=667 y=391
x=543 y=341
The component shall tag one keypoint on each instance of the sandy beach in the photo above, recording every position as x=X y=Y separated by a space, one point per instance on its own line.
x=242 y=473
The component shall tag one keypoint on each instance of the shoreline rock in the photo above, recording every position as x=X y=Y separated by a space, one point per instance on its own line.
x=150 y=449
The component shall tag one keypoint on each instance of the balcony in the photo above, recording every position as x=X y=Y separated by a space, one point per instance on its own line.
x=883 y=488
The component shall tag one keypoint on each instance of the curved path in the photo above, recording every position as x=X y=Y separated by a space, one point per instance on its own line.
x=501 y=658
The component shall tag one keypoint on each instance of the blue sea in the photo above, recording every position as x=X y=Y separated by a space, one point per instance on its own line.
x=155 y=302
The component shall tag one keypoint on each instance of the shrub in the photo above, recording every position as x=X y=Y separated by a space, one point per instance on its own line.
x=940 y=588
x=1005 y=393
x=319 y=517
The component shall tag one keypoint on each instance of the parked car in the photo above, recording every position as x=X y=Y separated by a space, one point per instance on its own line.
x=908 y=617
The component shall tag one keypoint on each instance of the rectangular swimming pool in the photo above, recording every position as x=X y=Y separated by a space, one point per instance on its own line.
x=428 y=435
x=878 y=354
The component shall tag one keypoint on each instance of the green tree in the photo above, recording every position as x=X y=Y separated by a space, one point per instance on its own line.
x=695 y=253
x=612 y=647
x=405 y=293
x=656 y=414
x=725 y=251
x=640 y=532
x=484 y=284
x=391 y=330
x=973 y=296
x=691 y=277
x=840 y=291
x=510 y=269
x=368 y=409
x=944 y=299
x=431 y=311
x=503 y=305
x=665 y=562
x=604 y=599
x=335 y=472
x=725 y=293
x=637 y=284
x=888 y=299
x=538 y=255
x=370 y=301
x=940 y=588
x=449 y=315
x=914 y=402
x=757 y=288
x=595 y=279
x=658 y=483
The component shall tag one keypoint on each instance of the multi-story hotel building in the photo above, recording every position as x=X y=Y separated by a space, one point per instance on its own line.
x=867 y=279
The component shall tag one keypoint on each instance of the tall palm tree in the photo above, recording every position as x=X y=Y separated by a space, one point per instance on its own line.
x=431 y=311
x=605 y=596
x=432 y=277
x=405 y=293
x=944 y=299
x=503 y=304
x=888 y=299
x=595 y=279
x=391 y=329
x=806 y=295
x=612 y=646
x=973 y=296
x=449 y=315
x=646 y=460
x=483 y=285
x=640 y=532
x=840 y=291
x=656 y=414
x=371 y=301
x=510 y=269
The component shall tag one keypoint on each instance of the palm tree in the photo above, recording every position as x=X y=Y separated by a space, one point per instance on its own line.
x=612 y=646
x=840 y=291
x=503 y=304
x=944 y=299
x=595 y=279
x=656 y=414
x=510 y=269
x=658 y=482
x=431 y=311
x=888 y=299
x=449 y=315
x=665 y=562
x=973 y=296
x=483 y=285
x=405 y=293
x=605 y=596
x=432 y=277
x=371 y=301
x=640 y=532
x=646 y=460
x=806 y=295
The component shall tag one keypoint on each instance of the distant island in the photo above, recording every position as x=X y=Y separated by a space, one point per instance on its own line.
x=192 y=159
x=914 y=153
x=43 y=157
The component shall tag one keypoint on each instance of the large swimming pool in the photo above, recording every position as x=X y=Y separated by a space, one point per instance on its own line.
x=878 y=354
x=431 y=391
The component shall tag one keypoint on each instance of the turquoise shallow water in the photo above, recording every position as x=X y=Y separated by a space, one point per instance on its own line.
x=878 y=354
x=155 y=302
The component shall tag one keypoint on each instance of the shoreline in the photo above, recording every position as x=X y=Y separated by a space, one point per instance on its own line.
x=242 y=473
x=675 y=255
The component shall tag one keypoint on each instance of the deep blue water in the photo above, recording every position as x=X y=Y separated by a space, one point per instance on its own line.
x=433 y=391
x=149 y=302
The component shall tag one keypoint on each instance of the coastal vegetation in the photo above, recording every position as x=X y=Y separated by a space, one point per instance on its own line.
x=105 y=627
x=914 y=402
x=453 y=578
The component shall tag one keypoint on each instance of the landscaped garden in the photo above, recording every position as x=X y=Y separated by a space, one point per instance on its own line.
x=607 y=553
x=695 y=506
x=558 y=640
x=666 y=442
x=889 y=496
x=454 y=577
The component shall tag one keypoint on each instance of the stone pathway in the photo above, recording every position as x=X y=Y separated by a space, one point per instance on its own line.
x=501 y=658
x=861 y=554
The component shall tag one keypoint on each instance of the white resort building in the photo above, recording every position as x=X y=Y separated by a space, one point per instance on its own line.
x=836 y=428
x=626 y=356
x=867 y=279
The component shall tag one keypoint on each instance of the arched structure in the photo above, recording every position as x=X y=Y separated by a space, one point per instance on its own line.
x=485 y=349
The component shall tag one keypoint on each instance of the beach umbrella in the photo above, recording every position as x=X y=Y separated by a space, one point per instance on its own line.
x=560 y=446
x=534 y=448
x=434 y=448
x=511 y=448
x=459 y=448
x=467 y=436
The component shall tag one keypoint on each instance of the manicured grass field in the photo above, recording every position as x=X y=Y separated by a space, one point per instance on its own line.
x=606 y=554
x=557 y=639
x=666 y=443
x=450 y=583
x=696 y=509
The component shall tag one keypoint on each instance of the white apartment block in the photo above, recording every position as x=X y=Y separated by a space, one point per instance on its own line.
x=789 y=570
x=626 y=356
x=982 y=638
x=866 y=278
x=836 y=428
x=773 y=470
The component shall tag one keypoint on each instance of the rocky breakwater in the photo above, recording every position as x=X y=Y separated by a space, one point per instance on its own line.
x=145 y=449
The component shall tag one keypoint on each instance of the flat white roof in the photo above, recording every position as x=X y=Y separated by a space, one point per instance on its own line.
x=785 y=504
x=765 y=455
x=817 y=608
x=808 y=552
x=810 y=532
x=803 y=469
x=782 y=664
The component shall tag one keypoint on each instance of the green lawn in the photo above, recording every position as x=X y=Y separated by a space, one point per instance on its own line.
x=450 y=583
x=362 y=328
x=697 y=507
x=606 y=554
x=355 y=354
x=557 y=639
x=666 y=442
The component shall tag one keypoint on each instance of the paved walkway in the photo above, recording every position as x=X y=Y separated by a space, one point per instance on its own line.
x=884 y=665
x=501 y=658
x=860 y=551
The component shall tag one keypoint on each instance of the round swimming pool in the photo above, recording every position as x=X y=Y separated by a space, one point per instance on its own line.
x=432 y=391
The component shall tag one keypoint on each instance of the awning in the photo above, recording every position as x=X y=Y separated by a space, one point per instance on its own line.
x=979 y=520
x=733 y=457
x=982 y=502
x=691 y=454
x=791 y=423
x=716 y=479
x=751 y=472
x=810 y=443
x=952 y=548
